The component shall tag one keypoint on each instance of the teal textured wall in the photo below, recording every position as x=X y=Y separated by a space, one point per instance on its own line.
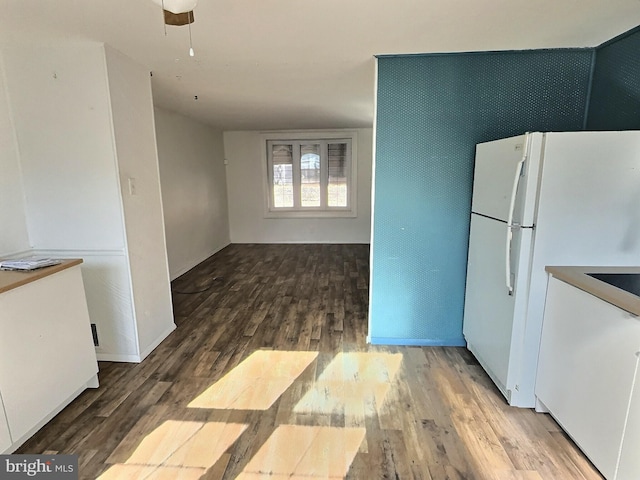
x=615 y=94
x=431 y=111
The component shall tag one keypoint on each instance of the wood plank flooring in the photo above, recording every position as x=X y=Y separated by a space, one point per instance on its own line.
x=268 y=376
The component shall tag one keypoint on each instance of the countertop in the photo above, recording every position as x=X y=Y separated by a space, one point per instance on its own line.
x=578 y=277
x=10 y=279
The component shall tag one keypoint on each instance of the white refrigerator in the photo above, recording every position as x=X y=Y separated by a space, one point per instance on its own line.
x=565 y=198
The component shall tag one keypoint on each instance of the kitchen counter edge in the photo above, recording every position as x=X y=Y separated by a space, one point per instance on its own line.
x=10 y=279
x=579 y=278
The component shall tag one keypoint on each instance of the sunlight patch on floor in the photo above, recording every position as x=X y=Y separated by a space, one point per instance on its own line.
x=257 y=382
x=178 y=449
x=297 y=452
x=363 y=367
x=353 y=384
x=145 y=472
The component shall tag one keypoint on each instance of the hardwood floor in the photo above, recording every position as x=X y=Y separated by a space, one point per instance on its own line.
x=268 y=375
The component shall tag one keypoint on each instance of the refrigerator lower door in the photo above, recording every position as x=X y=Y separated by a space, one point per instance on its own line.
x=491 y=314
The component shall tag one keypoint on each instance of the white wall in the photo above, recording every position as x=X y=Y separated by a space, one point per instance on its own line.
x=74 y=120
x=61 y=112
x=133 y=127
x=194 y=190
x=14 y=237
x=247 y=197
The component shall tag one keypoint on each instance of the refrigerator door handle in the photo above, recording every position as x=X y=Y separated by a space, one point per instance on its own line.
x=510 y=277
x=511 y=225
x=508 y=262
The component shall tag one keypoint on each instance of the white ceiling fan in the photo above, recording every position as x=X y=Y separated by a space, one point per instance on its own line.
x=178 y=13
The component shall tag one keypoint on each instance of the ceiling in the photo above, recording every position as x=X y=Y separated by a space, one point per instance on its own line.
x=298 y=64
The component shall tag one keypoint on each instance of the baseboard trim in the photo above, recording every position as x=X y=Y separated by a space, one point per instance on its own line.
x=303 y=242
x=418 y=342
x=157 y=342
x=194 y=264
x=47 y=418
x=121 y=357
x=118 y=357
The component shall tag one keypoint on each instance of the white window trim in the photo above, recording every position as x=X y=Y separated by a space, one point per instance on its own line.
x=310 y=212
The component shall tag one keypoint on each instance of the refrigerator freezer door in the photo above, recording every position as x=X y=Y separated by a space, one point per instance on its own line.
x=497 y=164
x=490 y=310
x=506 y=177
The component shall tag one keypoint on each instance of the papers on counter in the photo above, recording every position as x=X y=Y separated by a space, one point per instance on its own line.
x=28 y=263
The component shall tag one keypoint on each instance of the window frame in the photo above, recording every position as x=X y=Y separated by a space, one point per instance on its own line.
x=310 y=137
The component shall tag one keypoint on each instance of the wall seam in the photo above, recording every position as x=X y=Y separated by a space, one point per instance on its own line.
x=592 y=73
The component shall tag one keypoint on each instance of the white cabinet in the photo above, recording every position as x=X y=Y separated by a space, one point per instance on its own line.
x=5 y=438
x=47 y=355
x=586 y=372
x=629 y=466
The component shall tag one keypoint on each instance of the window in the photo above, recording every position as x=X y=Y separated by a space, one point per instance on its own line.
x=308 y=177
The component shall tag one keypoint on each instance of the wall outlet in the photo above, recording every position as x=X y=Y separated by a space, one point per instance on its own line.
x=132 y=186
x=94 y=333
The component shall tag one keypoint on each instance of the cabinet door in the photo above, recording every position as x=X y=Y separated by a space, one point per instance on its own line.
x=586 y=370
x=5 y=438
x=629 y=467
x=47 y=353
